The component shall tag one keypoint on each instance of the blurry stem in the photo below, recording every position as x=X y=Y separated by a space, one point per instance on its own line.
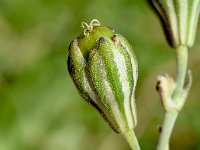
x=181 y=61
x=131 y=139
x=168 y=124
x=170 y=116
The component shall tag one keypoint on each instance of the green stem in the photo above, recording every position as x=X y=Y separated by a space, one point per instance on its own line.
x=168 y=124
x=131 y=139
x=170 y=117
x=181 y=61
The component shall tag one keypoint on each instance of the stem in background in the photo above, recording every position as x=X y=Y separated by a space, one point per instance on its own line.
x=168 y=124
x=131 y=139
x=181 y=61
x=170 y=117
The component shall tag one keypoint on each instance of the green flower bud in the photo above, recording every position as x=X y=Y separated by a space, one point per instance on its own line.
x=104 y=69
x=179 y=19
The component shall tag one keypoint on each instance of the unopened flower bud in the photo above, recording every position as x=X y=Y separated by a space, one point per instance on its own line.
x=179 y=19
x=103 y=68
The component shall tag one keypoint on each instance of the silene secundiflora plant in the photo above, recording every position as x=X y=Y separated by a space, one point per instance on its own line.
x=104 y=69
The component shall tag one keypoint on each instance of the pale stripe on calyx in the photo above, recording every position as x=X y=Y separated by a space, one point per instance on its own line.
x=114 y=62
x=100 y=82
x=76 y=66
x=126 y=83
x=120 y=41
x=182 y=8
x=195 y=8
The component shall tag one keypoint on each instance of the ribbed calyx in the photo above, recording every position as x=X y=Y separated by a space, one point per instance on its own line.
x=104 y=70
x=179 y=19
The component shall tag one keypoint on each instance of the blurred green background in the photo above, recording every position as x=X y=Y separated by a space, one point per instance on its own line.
x=40 y=108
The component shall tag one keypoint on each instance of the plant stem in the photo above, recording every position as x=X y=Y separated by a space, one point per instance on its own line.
x=131 y=139
x=181 y=61
x=170 y=117
x=168 y=124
